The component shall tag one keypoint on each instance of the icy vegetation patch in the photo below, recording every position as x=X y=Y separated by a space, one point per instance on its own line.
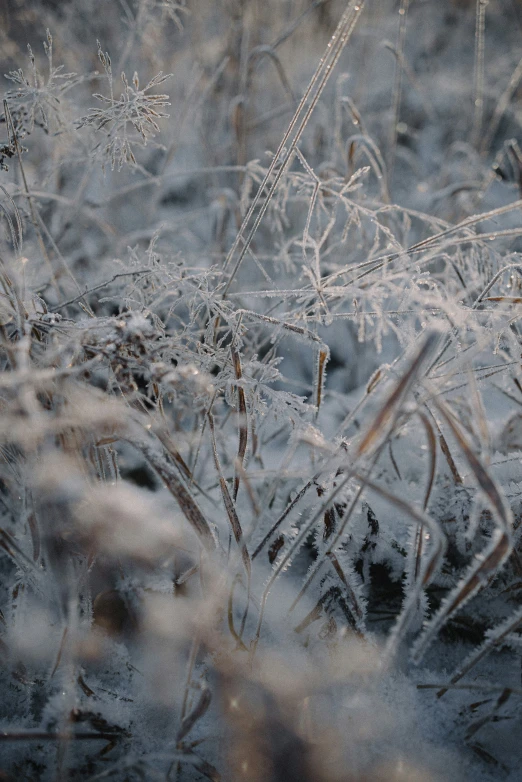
x=260 y=390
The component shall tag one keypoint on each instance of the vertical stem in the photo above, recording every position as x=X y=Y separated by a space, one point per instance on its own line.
x=478 y=73
x=397 y=88
x=283 y=156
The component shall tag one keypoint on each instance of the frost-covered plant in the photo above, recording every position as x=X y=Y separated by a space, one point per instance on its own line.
x=260 y=437
x=37 y=99
x=135 y=110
